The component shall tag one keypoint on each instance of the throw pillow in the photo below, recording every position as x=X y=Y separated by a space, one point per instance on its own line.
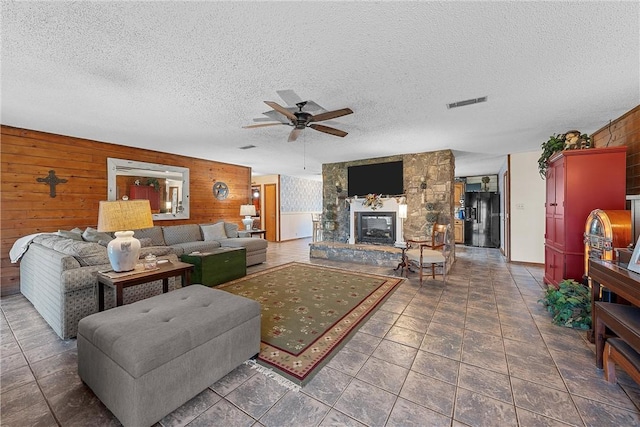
x=75 y=234
x=93 y=235
x=213 y=232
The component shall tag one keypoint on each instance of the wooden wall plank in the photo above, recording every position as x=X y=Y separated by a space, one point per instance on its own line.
x=625 y=130
x=27 y=208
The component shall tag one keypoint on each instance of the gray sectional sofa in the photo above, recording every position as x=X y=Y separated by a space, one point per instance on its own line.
x=58 y=272
x=187 y=238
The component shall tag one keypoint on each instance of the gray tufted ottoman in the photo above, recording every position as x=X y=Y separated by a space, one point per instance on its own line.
x=145 y=359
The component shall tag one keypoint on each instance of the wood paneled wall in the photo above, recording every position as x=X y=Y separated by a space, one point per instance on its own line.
x=624 y=130
x=27 y=208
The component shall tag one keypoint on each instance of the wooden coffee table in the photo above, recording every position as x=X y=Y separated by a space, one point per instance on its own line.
x=164 y=272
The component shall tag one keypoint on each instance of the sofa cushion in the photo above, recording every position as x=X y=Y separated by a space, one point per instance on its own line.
x=213 y=231
x=93 y=235
x=153 y=233
x=181 y=234
x=250 y=244
x=188 y=247
x=145 y=242
x=87 y=253
x=230 y=229
x=155 y=250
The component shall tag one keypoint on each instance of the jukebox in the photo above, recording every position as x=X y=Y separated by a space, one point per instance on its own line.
x=604 y=231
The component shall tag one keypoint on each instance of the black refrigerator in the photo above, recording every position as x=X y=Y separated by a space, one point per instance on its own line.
x=482 y=219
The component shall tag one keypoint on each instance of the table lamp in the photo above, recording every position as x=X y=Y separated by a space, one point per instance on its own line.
x=402 y=214
x=120 y=215
x=247 y=211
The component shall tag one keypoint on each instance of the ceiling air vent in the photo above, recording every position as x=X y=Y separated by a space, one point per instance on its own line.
x=467 y=102
x=247 y=147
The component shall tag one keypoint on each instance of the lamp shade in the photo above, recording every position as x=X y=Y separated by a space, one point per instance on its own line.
x=247 y=210
x=122 y=216
x=402 y=211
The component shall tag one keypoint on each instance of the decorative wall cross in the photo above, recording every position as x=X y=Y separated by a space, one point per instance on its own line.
x=52 y=180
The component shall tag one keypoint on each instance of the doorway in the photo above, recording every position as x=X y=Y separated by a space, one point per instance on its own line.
x=270 y=212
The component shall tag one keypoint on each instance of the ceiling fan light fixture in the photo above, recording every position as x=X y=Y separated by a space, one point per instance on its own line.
x=467 y=102
x=300 y=120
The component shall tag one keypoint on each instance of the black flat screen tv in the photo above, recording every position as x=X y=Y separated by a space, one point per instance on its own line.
x=377 y=178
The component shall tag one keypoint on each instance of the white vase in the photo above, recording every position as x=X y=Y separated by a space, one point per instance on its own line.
x=123 y=251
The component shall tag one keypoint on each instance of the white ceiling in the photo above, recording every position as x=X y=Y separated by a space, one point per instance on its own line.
x=184 y=77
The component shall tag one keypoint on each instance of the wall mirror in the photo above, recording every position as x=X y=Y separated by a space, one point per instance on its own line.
x=166 y=187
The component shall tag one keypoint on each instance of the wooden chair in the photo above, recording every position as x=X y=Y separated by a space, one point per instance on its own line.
x=431 y=252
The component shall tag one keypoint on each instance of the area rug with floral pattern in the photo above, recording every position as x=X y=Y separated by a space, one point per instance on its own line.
x=308 y=311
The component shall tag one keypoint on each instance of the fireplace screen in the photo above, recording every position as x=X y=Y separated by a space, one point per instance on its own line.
x=377 y=228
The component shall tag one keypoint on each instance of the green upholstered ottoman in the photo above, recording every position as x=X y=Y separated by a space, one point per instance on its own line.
x=217 y=266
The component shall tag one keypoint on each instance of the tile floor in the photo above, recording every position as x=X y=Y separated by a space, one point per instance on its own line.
x=478 y=351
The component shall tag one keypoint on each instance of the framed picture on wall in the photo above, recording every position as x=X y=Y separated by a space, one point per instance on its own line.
x=634 y=263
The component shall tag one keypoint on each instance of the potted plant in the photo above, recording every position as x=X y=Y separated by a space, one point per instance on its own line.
x=565 y=141
x=570 y=304
x=153 y=182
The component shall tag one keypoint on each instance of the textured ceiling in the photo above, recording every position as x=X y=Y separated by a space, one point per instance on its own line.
x=184 y=77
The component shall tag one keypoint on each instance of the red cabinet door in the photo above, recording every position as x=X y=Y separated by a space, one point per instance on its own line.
x=146 y=192
x=554 y=266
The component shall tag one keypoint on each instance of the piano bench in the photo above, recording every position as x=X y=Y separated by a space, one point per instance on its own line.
x=618 y=352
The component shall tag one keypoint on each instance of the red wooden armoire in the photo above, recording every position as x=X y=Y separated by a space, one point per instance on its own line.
x=146 y=192
x=578 y=181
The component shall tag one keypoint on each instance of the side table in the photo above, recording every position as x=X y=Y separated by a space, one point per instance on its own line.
x=255 y=231
x=404 y=261
x=217 y=266
x=119 y=281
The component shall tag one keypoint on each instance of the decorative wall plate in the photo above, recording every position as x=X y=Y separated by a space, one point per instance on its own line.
x=220 y=190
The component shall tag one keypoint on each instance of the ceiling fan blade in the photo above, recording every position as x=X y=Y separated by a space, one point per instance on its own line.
x=327 y=129
x=274 y=116
x=331 y=114
x=262 y=125
x=280 y=109
x=294 y=134
x=289 y=96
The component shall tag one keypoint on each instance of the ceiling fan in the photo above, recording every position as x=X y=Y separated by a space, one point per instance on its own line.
x=302 y=119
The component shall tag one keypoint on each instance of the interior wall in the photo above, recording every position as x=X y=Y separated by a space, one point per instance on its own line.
x=528 y=195
x=27 y=208
x=298 y=199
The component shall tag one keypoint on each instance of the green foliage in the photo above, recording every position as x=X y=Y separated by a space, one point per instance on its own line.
x=154 y=183
x=564 y=141
x=549 y=148
x=570 y=304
